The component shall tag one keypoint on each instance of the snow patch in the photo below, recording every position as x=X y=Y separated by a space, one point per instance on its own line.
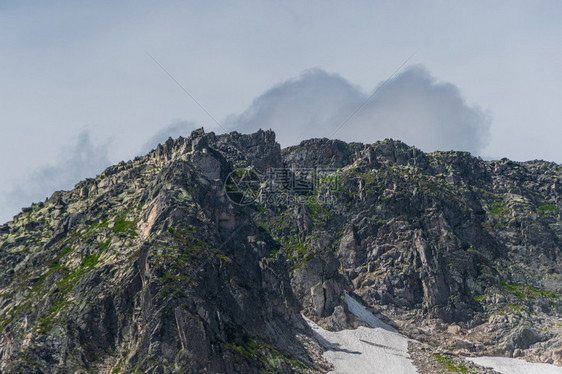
x=364 y=315
x=376 y=349
x=506 y=365
x=382 y=349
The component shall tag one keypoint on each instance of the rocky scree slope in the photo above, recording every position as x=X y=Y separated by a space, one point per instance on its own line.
x=150 y=267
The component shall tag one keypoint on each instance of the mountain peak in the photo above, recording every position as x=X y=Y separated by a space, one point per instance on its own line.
x=203 y=254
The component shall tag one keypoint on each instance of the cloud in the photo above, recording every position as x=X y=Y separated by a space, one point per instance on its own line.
x=413 y=107
x=82 y=160
x=174 y=130
x=301 y=108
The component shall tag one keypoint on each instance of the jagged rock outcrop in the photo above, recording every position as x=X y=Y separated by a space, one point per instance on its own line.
x=152 y=266
x=149 y=268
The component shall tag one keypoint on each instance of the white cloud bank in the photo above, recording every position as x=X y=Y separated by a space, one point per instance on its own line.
x=83 y=159
x=413 y=107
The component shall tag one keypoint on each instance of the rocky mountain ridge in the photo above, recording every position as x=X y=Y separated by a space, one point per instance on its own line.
x=201 y=256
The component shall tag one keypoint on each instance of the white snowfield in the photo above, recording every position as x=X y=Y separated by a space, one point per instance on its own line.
x=379 y=349
x=506 y=365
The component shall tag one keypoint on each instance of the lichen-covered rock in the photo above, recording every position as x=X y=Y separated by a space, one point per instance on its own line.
x=152 y=270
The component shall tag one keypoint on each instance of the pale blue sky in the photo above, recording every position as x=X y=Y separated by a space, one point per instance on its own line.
x=78 y=90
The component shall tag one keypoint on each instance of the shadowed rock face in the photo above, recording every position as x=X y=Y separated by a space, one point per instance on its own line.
x=151 y=267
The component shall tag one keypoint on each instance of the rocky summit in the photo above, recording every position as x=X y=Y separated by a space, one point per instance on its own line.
x=217 y=253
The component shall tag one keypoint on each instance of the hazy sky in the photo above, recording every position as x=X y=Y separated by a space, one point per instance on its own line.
x=79 y=90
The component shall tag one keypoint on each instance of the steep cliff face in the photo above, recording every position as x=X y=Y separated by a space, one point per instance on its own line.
x=202 y=255
x=432 y=240
x=149 y=267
